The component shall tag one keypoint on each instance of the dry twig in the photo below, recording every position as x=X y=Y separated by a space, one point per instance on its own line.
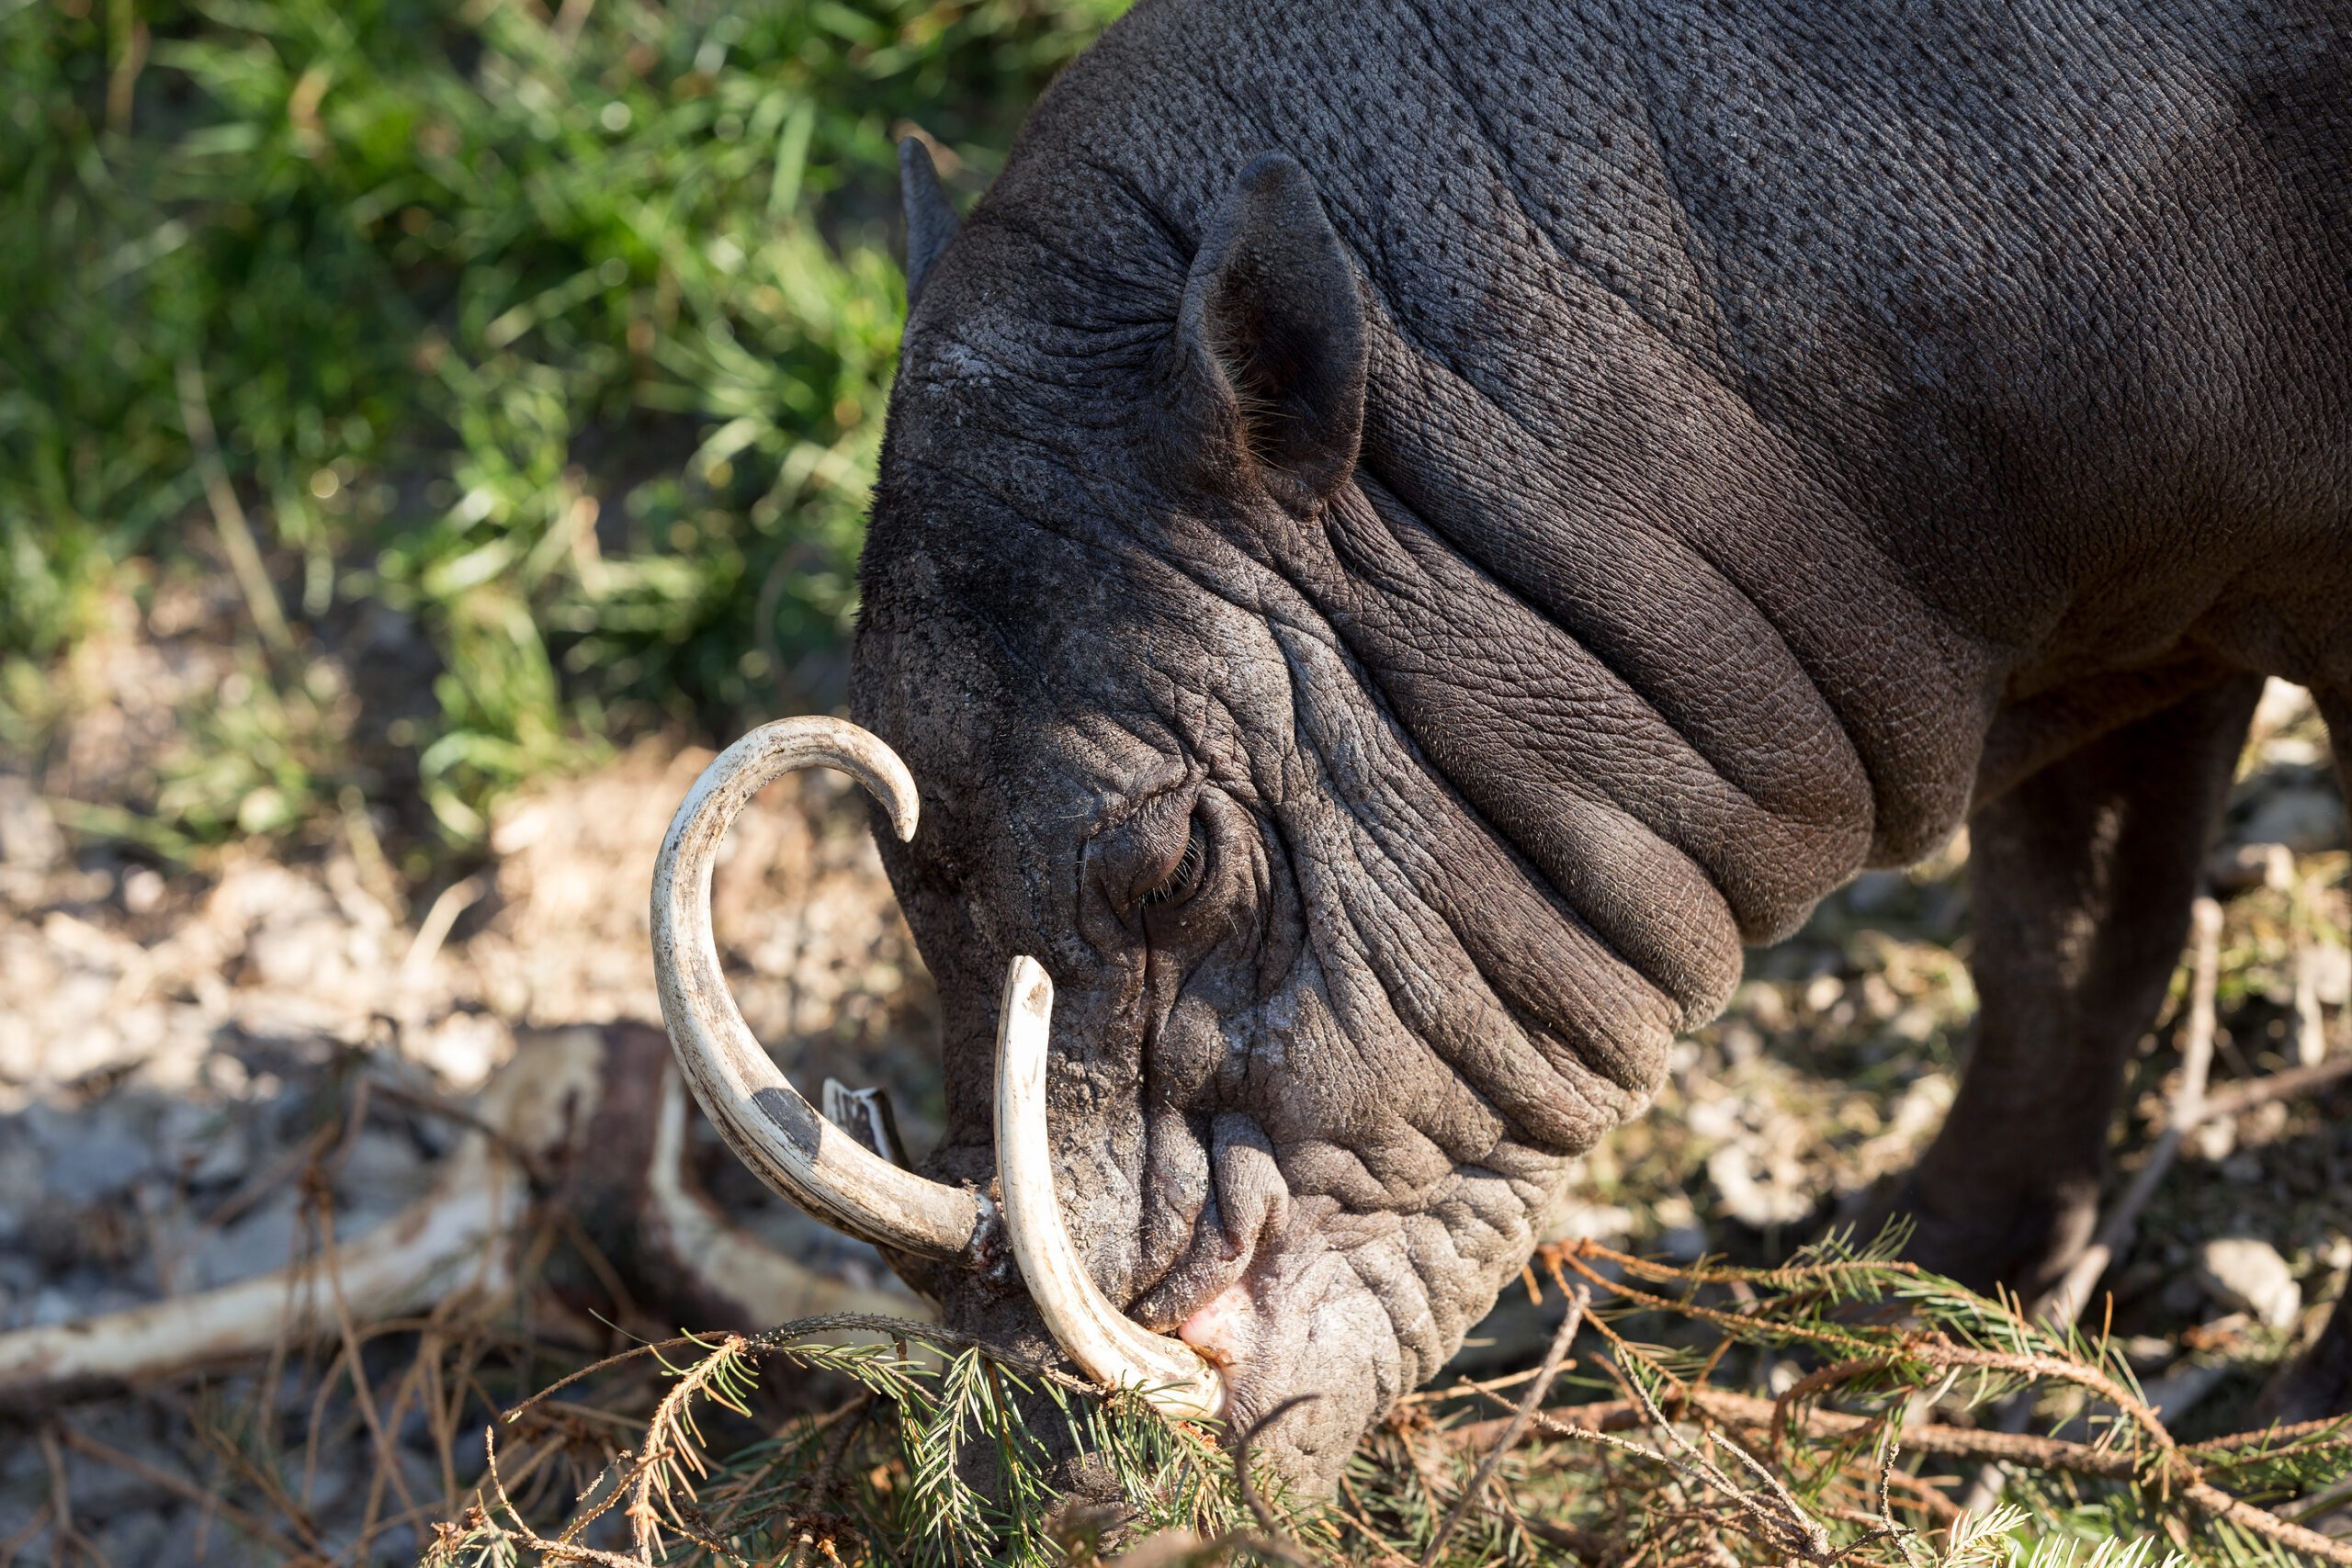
x=1751 y=1413
x=1555 y=1357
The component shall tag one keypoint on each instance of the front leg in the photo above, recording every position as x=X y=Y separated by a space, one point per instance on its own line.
x=2080 y=883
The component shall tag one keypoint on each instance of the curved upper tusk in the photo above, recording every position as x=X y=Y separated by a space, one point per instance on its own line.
x=1111 y=1347
x=770 y=1128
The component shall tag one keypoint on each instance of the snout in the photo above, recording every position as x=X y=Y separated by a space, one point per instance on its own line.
x=1301 y=1328
x=1270 y=1298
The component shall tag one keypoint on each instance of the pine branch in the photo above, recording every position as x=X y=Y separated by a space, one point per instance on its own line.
x=1750 y=1412
x=1508 y=1438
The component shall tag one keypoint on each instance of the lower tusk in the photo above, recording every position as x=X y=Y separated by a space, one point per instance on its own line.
x=1107 y=1344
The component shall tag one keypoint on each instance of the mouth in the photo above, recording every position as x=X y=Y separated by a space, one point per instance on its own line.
x=1204 y=1298
x=1209 y=1296
x=1218 y=1289
x=1217 y=1330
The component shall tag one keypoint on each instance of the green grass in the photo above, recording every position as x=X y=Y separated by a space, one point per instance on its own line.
x=563 y=335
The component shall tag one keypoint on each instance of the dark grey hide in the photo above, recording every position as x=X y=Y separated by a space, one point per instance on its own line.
x=1410 y=532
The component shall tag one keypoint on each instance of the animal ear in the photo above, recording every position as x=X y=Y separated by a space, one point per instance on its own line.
x=1271 y=322
x=931 y=221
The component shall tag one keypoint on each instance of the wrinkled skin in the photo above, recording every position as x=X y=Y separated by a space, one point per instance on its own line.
x=1411 y=533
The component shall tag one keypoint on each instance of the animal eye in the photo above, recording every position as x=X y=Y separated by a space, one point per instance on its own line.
x=1185 y=880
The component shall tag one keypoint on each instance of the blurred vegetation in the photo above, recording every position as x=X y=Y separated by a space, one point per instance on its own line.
x=557 y=341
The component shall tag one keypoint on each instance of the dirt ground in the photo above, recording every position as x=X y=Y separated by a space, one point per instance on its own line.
x=201 y=1066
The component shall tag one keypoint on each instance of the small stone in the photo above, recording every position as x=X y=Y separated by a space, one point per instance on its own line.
x=1713 y=1119
x=256 y=1242
x=2214 y=1139
x=1683 y=1244
x=138 y=1534
x=2305 y=821
x=1764 y=1004
x=52 y=1305
x=88 y=1157
x=2293 y=751
x=2241 y=868
x=20 y=1181
x=142 y=890
x=29 y=837
x=2282 y=704
x=2310 y=1024
x=1577 y=1220
x=2330 y=968
x=382 y=1174
x=2248 y=1274
x=1759 y=1187
x=1880 y=1001
x=461 y=1049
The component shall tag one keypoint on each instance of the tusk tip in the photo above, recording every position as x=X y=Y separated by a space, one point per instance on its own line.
x=1029 y=989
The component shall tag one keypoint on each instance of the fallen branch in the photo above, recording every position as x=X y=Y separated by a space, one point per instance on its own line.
x=582 y=1122
x=2237 y=1099
x=436 y=1247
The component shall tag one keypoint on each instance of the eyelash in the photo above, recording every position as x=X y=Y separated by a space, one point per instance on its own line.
x=1187 y=875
